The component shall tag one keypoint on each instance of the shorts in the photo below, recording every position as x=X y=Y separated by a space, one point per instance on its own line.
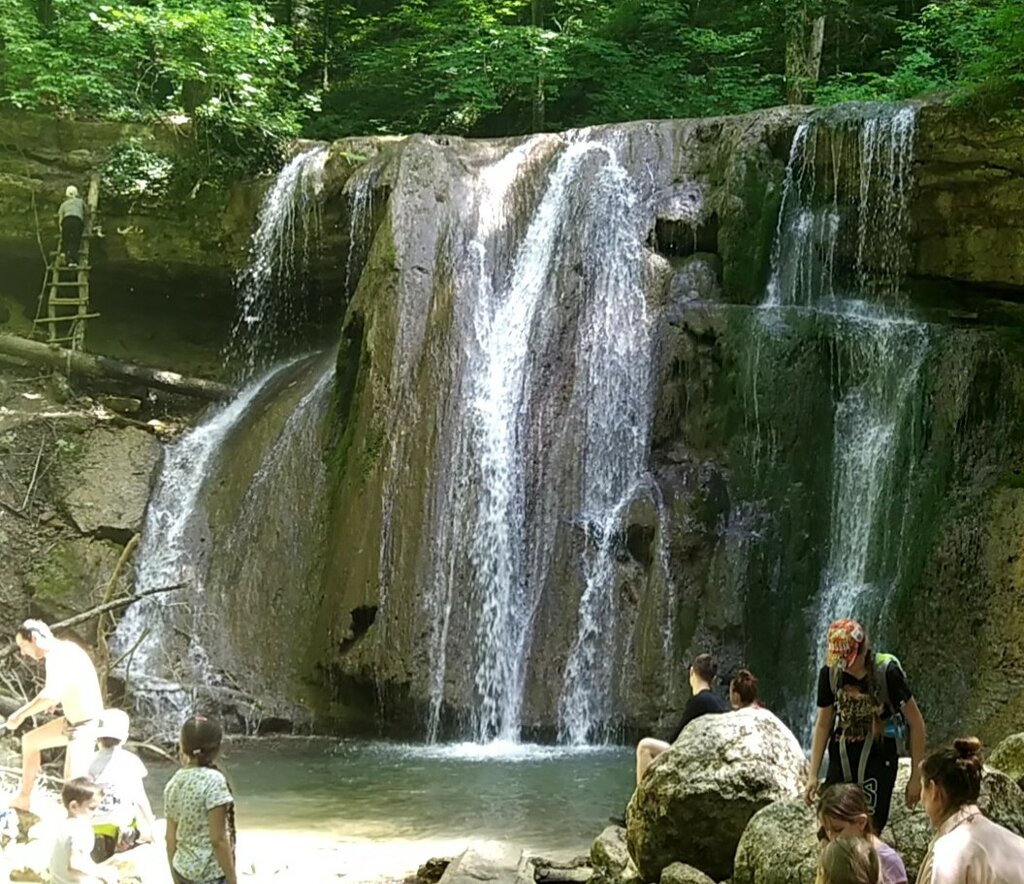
x=879 y=774
x=81 y=730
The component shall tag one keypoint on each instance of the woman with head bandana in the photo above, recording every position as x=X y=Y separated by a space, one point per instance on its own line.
x=864 y=702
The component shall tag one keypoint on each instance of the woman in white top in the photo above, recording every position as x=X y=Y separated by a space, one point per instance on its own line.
x=967 y=847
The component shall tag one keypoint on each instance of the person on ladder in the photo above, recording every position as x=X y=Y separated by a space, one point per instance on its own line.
x=71 y=217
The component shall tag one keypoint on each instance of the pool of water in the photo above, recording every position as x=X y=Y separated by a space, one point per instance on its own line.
x=379 y=809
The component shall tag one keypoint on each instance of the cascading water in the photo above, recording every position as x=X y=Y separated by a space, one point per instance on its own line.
x=273 y=286
x=613 y=362
x=499 y=500
x=840 y=250
x=165 y=674
x=170 y=554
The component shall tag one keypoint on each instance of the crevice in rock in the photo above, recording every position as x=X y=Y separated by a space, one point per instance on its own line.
x=362 y=618
x=640 y=543
x=680 y=238
x=120 y=536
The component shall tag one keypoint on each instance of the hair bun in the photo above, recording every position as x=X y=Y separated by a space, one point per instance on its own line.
x=967 y=747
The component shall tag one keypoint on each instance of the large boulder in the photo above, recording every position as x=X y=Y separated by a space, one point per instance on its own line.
x=1008 y=757
x=779 y=846
x=610 y=858
x=680 y=873
x=697 y=798
x=910 y=832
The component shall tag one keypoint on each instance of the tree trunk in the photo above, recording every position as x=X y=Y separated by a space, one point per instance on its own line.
x=805 y=37
x=537 y=20
x=94 y=366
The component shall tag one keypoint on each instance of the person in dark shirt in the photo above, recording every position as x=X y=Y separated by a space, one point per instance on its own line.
x=703 y=702
x=863 y=701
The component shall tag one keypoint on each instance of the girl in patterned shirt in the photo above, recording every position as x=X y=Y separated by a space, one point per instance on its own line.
x=200 y=810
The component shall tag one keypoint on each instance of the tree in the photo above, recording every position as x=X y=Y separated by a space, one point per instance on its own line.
x=805 y=37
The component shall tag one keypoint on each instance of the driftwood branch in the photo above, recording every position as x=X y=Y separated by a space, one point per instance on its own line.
x=93 y=366
x=101 y=609
x=105 y=618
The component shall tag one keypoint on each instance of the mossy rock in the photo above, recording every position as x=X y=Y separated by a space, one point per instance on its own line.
x=71 y=577
x=1008 y=757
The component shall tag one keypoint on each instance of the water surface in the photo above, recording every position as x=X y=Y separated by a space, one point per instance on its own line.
x=376 y=810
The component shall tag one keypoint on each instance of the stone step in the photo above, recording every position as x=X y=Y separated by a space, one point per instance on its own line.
x=472 y=867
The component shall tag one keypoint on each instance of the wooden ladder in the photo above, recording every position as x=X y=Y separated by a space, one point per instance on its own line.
x=66 y=289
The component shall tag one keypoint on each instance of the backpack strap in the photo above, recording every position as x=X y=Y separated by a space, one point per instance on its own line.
x=882 y=664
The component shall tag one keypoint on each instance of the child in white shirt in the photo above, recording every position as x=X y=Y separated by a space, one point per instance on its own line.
x=124 y=817
x=71 y=862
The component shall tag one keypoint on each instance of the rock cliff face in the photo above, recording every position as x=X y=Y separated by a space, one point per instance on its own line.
x=742 y=512
x=729 y=535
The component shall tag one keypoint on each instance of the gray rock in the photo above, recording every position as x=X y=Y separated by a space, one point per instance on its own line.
x=470 y=867
x=1008 y=757
x=680 y=873
x=696 y=280
x=697 y=798
x=104 y=482
x=779 y=846
x=610 y=858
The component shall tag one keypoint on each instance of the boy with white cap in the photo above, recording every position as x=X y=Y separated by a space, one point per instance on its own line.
x=124 y=817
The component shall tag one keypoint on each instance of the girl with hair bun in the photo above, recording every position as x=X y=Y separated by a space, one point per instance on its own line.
x=743 y=691
x=967 y=848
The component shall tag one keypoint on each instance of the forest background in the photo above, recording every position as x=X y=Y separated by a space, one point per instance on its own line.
x=243 y=77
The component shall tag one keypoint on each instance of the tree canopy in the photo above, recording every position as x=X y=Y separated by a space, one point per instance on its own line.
x=247 y=74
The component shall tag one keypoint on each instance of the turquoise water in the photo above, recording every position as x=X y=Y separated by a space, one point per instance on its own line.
x=406 y=802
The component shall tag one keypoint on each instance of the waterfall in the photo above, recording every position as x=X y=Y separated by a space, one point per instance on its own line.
x=273 y=286
x=359 y=187
x=171 y=553
x=840 y=250
x=500 y=496
x=613 y=362
x=844 y=216
x=484 y=444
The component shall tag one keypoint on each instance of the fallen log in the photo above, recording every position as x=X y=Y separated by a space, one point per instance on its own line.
x=94 y=366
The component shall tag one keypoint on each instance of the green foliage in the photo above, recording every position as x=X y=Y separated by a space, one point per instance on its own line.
x=220 y=64
x=245 y=74
x=973 y=49
x=136 y=174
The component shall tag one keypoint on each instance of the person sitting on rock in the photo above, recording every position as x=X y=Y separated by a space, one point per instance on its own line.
x=743 y=691
x=71 y=682
x=71 y=218
x=124 y=817
x=843 y=813
x=864 y=705
x=849 y=861
x=704 y=701
x=967 y=846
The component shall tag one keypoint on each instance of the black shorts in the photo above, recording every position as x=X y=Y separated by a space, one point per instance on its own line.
x=879 y=775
